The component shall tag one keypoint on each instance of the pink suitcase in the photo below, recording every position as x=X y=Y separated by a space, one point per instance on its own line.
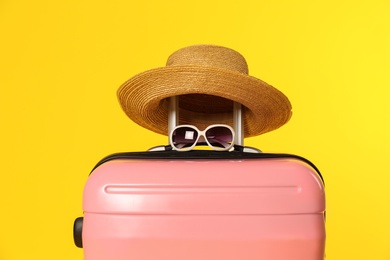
x=203 y=205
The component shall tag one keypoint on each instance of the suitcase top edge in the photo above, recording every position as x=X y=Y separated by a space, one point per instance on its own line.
x=201 y=155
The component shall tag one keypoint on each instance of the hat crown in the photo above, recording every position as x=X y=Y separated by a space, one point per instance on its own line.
x=209 y=55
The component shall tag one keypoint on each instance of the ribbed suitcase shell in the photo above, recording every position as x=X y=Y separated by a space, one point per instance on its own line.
x=204 y=205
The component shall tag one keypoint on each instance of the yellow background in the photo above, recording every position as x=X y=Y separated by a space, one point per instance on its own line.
x=61 y=63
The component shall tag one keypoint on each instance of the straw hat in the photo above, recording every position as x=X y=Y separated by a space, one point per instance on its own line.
x=207 y=79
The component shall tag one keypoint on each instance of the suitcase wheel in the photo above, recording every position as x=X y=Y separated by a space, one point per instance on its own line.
x=77 y=232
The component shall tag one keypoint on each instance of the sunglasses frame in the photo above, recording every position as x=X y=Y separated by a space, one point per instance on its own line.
x=202 y=133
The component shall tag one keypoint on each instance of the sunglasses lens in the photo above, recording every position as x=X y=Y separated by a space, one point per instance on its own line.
x=219 y=136
x=183 y=137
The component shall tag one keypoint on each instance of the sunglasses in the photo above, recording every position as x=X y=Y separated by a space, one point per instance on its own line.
x=185 y=137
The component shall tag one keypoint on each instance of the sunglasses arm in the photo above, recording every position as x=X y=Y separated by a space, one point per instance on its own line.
x=160 y=148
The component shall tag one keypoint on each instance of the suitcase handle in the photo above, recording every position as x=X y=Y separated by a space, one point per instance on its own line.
x=238 y=121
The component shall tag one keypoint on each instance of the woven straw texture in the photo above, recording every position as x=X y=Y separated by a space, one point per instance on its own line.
x=207 y=79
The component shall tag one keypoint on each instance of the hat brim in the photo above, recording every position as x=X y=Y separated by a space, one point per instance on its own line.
x=144 y=98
